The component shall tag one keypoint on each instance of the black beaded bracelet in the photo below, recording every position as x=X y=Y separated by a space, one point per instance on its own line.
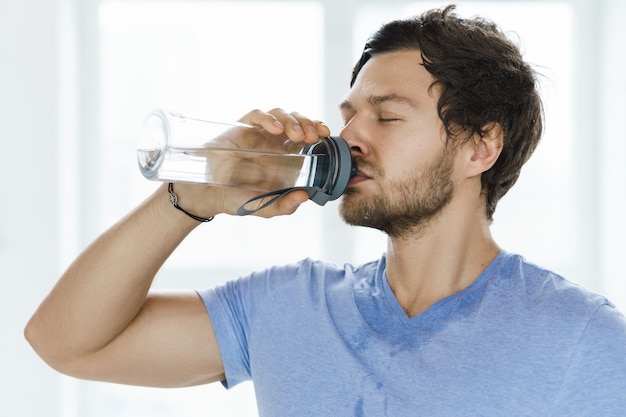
x=174 y=201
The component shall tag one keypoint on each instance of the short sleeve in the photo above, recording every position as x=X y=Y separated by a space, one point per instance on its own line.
x=595 y=382
x=230 y=324
x=234 y=309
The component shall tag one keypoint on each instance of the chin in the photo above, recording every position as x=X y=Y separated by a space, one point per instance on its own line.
x=356 y=210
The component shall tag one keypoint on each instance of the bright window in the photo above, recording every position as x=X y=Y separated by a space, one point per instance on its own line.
x=214 y=60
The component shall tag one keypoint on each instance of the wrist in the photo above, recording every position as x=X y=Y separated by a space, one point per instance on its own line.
x=162 y=212
x=174 y=200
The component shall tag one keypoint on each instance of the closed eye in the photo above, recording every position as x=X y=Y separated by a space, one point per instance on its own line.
x=388 y=117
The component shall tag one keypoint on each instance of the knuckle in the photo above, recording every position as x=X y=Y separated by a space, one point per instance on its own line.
x=277 y=110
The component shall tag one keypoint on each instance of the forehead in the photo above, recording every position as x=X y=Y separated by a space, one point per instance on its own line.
x=399 y=73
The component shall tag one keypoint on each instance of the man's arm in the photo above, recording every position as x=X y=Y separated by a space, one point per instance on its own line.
x=101 y=322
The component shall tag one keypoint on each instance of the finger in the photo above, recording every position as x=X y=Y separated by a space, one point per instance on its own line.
x=294 y=130
x=285 y=205
x=313 y=129
x=290 y=202
x=264 y=120
x=322 y=129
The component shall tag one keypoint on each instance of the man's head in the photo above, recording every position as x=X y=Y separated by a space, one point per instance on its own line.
x=482 y=79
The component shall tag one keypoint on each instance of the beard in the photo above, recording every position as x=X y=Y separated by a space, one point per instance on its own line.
x=405 y=206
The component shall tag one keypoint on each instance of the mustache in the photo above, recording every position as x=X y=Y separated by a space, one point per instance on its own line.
x=364 y=166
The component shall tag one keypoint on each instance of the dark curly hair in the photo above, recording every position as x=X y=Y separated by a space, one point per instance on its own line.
x=482 y=78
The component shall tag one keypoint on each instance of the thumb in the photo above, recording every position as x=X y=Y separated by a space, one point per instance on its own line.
x=285 y=205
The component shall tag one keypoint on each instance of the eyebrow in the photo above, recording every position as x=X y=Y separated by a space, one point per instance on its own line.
x=377 y=100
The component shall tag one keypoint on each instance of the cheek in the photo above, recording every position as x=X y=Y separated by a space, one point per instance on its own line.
x=402 y=149
x=411 y=157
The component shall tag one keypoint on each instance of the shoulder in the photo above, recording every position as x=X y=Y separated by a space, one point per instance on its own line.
x=543 y=288
x=315 y=271
x=307 y=276
x=548 y=296
x=571 y=326
x=550 y=305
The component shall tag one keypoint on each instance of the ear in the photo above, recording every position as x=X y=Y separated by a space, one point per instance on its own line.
x=486 y=148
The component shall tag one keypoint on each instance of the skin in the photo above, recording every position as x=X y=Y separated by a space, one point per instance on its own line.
x=101 y=321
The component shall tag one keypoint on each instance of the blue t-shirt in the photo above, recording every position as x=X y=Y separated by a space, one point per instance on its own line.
x=320 y=340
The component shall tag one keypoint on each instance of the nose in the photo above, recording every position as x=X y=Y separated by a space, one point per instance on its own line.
x=355 y=138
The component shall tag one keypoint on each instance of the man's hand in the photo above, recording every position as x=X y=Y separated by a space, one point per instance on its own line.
x=276 y=130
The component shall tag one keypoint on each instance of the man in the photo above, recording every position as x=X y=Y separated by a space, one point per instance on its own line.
x=442 y=114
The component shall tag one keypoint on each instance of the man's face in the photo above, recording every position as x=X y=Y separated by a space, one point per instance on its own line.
x=398 y=142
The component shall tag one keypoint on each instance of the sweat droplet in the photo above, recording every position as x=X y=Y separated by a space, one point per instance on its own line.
x=358 y=408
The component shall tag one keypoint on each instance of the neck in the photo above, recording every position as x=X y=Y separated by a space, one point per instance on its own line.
x=440 y=258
